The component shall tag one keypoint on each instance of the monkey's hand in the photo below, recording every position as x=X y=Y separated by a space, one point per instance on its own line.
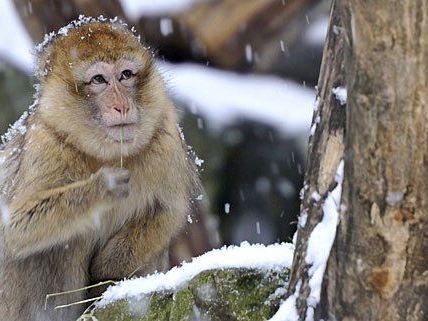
x=114 y=182
x=54 y=216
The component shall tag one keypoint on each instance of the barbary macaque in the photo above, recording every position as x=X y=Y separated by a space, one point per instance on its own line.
x=96 y=181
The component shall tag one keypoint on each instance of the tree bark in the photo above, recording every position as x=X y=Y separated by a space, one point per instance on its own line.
x=326 y=150
x=378 y=266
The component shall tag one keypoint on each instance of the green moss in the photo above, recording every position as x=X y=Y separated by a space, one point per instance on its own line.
x=219 y=295
x=182 y=306
x=117 y=311
x=240 y=295
x=159 y=308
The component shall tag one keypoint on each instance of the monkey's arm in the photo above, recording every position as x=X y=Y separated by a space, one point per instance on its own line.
x=54 y=216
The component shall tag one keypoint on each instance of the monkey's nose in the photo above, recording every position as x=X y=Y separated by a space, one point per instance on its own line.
x=122 y=108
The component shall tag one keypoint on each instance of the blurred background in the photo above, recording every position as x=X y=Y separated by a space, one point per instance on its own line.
x=242 y=74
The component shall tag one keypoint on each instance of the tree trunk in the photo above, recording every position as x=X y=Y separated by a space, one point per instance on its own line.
x=326 y=150
x=378 y=266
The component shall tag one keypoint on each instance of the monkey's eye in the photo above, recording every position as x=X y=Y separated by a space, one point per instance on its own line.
x=126 y=74
x=98 y=79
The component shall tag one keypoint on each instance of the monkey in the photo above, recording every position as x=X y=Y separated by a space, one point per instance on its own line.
x=97 y=179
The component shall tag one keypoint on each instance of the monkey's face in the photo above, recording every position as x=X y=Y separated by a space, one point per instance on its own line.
x=112 y=90
x=102 y=91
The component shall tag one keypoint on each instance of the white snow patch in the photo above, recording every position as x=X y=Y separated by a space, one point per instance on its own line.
x=341 y=94
x=4 y=213
x=258 y=227
x=166 y=27
x=315 y=196
x=16 y=46
x=316 y=33
x=135 y=9
x=282 y=45
x=287 y=310
x=227 y=208
x=180 y=131
x=20 y=127
x=394 y=198
x=224 y=96
x=248 y=53
x=313 y=129
x=316 y=103
x=261 y=257
x=319 y=246
x=303 y=217
x=321 y=241
x=199 y=161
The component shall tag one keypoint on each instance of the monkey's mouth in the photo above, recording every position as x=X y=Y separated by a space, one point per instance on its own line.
x=122 y=133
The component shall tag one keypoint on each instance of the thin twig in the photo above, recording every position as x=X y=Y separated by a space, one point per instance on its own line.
x=121 y=142
x=77 y=290
x=77 y=303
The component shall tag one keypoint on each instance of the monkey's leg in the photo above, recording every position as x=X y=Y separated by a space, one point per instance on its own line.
x=54 y=216
x=139 y=248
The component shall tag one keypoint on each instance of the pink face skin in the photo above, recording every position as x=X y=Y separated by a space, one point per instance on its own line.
x=112 y=87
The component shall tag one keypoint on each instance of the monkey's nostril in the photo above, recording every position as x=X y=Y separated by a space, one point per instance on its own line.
x=119 y=110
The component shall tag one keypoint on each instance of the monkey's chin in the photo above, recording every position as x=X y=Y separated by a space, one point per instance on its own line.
x=124 y=133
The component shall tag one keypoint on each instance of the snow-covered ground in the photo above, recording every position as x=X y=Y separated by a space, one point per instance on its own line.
x=260 y=257
x=135 y=9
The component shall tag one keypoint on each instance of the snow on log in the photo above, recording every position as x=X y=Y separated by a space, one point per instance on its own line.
x=245 y=282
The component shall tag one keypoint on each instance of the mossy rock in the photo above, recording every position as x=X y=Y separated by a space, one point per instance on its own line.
x=217 y=295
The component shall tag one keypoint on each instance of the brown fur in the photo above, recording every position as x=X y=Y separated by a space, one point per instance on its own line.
x=68 y=226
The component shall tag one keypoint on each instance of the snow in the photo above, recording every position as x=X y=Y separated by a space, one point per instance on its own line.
x=260 y=257
x=317 y=31
x=303 y=217
x=4 y=213
x=394 y=198
x=319 y=246
x=287 y=311
x=166 y=27
x=282 y=45
x=224 y=96
x=134 y=9
x=227 y=208
x=199 y=161
x=15 y=46
x=316 y=196
x=248 y=53
x=321 y=241
x=341 y=95
x=20 y=126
